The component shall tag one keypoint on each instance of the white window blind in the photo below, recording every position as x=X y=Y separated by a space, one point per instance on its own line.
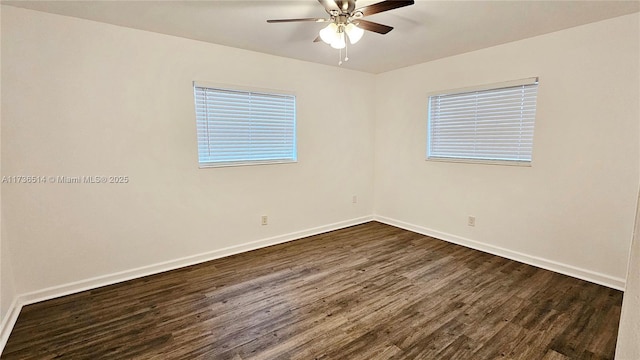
x=488 y=125
x=244 y=127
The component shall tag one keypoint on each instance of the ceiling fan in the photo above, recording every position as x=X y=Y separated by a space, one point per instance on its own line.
x=344 y=18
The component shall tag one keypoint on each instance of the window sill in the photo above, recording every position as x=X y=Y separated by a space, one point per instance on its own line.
x=482 y=161
x=244 y=163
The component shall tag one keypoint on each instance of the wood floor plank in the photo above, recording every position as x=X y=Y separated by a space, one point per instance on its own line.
x=370 y=291
x=552 y=355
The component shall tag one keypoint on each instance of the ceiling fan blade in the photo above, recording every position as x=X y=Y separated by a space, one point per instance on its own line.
x=329 y=5
x=297 y=20
x=373 y=26
x=384 y=6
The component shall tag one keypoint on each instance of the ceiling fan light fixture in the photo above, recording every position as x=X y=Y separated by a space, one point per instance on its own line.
x=354 y=33
x=345 y=21
x=339 y=43
x=330 y=33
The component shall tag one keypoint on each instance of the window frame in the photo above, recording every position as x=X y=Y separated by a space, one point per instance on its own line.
x=248 y=89
x=484 y=87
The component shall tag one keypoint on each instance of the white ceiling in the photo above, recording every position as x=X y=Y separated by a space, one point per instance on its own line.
x=425 y=31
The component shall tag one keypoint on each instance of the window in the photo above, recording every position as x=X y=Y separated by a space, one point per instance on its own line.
x=244 y=127
x=491 y=124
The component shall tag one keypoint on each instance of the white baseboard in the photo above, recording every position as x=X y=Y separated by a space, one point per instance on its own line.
x=99 y=281
x=576 y=272
x=9 y=321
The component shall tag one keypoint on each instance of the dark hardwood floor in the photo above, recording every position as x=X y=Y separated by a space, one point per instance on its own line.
x=367 y=292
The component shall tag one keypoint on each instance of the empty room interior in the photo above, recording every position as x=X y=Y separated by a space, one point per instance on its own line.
x=331 y=179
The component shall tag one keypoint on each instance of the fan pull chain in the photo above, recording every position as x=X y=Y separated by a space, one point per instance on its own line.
x=346 y=50
x=346 y=54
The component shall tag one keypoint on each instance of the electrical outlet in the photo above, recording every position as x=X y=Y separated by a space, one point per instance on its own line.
x=354 y=199
x=471 y=221
x=265 y=220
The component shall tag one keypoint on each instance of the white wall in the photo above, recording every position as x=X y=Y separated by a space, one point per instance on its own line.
x=7 y=290
x=94 y=99
x=2 y=313
x=573 y=210
x=628 y=346
x=8 y=314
